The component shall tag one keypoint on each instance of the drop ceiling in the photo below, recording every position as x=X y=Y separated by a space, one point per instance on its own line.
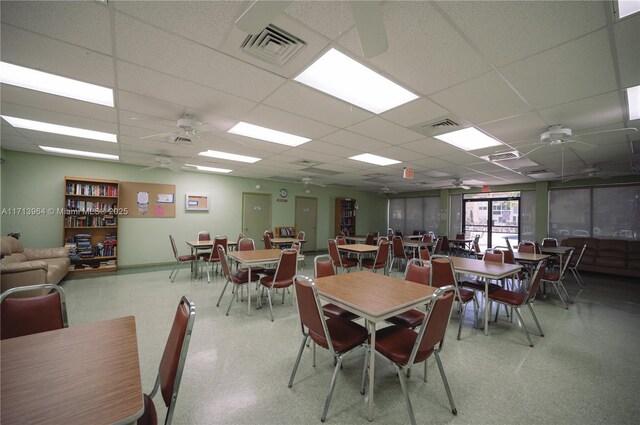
x=511 y=69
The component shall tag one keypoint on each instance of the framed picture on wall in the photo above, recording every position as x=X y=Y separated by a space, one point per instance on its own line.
x=197 y=202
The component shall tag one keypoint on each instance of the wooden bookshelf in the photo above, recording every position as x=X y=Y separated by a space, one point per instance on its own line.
x=345 y=218
x=285 y=232
x=90 y=225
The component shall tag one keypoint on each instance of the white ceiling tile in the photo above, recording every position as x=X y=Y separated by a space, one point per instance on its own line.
x=300 y=99
x=277 y=119
x=572 y=71
x=481 y=99
x=459 y=158
x=431 y=147
x=432 y=163
x=60 y=118
x=330 y=18
x=399 y=154
x=153 y=48
x=415 y=112
x=84 y=24
x=52 y=56
x=381 y=129
x=627 y=36
x=347 y=139
x=514 y=30
x=519 y=127
x=321 y=157
x=592 y=112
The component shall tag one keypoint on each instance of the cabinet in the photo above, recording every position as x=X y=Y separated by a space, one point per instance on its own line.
x=91 y=214
x=346 y=209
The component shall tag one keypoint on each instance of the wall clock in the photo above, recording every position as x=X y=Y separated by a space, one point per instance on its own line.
x=283 y=193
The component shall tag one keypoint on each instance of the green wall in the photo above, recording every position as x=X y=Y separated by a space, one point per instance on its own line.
x=37 y=181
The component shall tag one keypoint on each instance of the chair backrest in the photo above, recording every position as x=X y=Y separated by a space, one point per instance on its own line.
x=399 y=233
x=203 y=235
x=246 y=244
x=323 y=266
x=270 y=233
x=445 y=243
x=532 y=290
x=494 y=256
x=30 y=315
x=434 y=327
x=476 y=244
x=370 y=239
x=390 y=233
x=333 y=252
x=222 y=255
x=442 y=272
x=566 y=262
x=302 y=235
x=398 y=247
x=297 y=246
x=219 y=240
x=418 y=271
x=459 y=235
x=507 y=254
x=287 y=265
x=527 y=246
x=424 y=254
x=426 y=238
x=341 y=240
x=240 y=236
x=438 y=247
x=173 y=247
x=175 y=354
x=577 y=262
x=550 y=242
x=383 y=252
x=267 y=240
x=310 y=310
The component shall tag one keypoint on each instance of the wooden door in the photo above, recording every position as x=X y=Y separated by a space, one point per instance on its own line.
x=256 y=216
x=307 y=220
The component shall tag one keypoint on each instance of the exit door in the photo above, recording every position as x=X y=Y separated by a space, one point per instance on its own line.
x=307 y=220
x=256 y=216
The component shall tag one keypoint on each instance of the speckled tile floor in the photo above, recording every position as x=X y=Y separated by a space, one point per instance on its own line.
x=584 y=371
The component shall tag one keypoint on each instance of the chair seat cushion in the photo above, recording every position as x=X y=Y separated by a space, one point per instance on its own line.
x=269 y=282
x=370 y=263
x=408 y=319
x=478 y=285
x=150 y=416
x=242 y=276
x=187 y=258
x=507 y=297
x=396 y=343
x=345 y=335
x=550 y=276
x=467 y=295
x=332 y=310
x=349 y=262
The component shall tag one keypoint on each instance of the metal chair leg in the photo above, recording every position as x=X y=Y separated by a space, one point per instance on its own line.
x=403 y=384
x=234 y=295
x=535 y=319
x=222 y=293
x=524 y=327
x=270 y=303
x=331 y=388
x=446 y=383
x=295 y=366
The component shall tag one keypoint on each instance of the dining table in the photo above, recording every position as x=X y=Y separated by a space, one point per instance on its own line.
x=359 y=249
x=560 y=251
x=279 y=242
x=85 y=374
x=488 y=270
x=258 y=257
x=374 y=297
x=196 y=246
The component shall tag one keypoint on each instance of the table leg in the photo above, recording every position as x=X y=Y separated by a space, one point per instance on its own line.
x=486 y=306
x=249 y=292
x=372 y=370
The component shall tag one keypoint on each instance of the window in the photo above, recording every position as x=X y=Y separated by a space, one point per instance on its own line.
x=409 y=214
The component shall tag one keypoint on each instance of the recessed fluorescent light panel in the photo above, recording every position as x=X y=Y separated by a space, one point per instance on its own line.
x=60 y=129
x=53 y=84
x=374 y=159
x=628 y=7
x=633 y=100
x=267 y=134
x=340 y=76
x=79 y=153
x=210 y=169
x=230 y=156
x=468 y=139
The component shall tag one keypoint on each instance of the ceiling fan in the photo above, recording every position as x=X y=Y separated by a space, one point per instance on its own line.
x=306 y=181
x=458 y=183
x=189 y=128
x=367 y=16
x=163 y=162
x=386 y=191
x=557 y=135
x=593 y=171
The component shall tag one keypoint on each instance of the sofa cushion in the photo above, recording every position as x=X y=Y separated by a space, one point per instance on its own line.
x=18 y=257
x=611 y=262
x=11 y=245
x=45 y=253
x=633 y=250
x=58 y=268
x=633 y=264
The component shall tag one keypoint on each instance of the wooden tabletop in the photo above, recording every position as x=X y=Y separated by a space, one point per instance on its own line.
x=372 y=295
x=529 y=257
x=207 y=244
x=358 y=248
x=286 y=240
x=483 y=268
x=258 y=256
x=87 y=374
x=414 y=243
x=556 y=249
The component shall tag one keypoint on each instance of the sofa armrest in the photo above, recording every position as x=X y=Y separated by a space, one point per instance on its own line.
x=23 y=273
x=24 y=266
x=41 y=254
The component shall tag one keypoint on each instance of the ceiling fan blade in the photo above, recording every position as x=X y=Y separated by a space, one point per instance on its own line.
x=532 y=151
x=630 y=130
x=259 y=15
x=580 y=145
x=149 y=168
x=157 y=135
x=370 y=26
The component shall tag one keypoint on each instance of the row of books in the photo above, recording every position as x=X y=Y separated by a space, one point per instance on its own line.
x=80 y=247
x=79 y=205
x=287 y=231
x=90 y=221
x=91 y=189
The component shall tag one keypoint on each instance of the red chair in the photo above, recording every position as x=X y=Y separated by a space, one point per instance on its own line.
x=323 y=266
x=424 y=254
x=518 y=299
x=527 y=246
x=437 y=249
x=266 y=238
x=238 y=279
x=339 y=261
x=443 y=274
x=213 y=258
x=339 y=336
x=478 y=284
x=283 y=278
x=399 y=253
x=381 y=258
x=341 y=240
x=405 y=347
x=426 y=238
x=417 y=271
x=179 y=259
x=556 y=279
x=172 y=363
x=32 y=313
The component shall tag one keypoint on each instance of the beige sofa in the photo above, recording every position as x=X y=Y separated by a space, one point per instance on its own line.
x=21 y=267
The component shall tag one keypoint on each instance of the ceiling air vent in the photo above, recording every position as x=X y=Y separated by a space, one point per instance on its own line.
x=443 y=125
x=535 y=172
x=181 y=140
x=273 y=45
x=504 y=156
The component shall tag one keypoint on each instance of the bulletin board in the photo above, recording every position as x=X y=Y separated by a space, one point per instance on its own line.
x=148 y=200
